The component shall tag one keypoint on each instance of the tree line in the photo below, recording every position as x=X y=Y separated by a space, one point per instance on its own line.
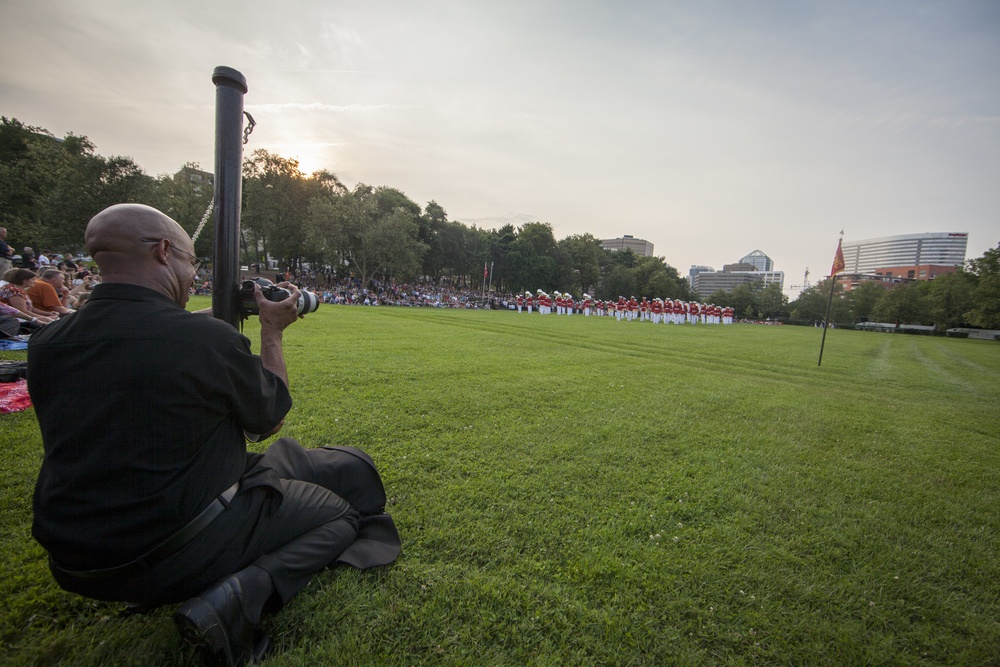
x=51 y=187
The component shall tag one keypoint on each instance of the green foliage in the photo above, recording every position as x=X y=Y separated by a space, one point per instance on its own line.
x=620 y=282
x=584 y=251
x=637 y=494
x=985 y=311
x=903 y=303
x=949 y=298
x=49 y=189
x=812 y=303
x=864 y=298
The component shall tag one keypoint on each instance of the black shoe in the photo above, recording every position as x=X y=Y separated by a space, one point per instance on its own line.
x=216 y=625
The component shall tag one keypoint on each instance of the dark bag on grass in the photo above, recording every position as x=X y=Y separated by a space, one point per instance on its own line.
x=12 y=371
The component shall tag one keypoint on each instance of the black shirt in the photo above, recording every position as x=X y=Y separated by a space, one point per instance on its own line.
x=142 y=407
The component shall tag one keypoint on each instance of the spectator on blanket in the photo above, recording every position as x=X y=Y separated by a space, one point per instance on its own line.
x=48 y=292
x=161 y=502
x=27 y=326
x=15 y=294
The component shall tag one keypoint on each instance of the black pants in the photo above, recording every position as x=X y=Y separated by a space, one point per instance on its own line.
x=298 y=511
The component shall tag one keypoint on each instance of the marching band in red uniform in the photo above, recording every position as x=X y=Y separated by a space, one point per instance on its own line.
x=667 y=311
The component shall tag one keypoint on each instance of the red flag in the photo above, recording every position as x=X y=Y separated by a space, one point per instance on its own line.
x=838 y=260
x=485 y=272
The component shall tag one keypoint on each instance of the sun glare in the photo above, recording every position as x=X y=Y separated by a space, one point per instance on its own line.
x=308 y=161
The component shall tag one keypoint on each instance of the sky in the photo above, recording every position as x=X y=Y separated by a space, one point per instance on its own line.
x=710 y=128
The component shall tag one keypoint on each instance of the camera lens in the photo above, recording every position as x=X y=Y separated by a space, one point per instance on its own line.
x=308 y=302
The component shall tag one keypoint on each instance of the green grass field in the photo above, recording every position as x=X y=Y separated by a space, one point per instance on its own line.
x=587 y=492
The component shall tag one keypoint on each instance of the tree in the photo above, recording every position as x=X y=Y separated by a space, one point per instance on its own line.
x=431 y=225
x=985 y=311
x=812 y=303
x=863 y=299
x=500 y=242
x=50 y=189
x=275 y=206
x=771 y=302
x=620 y=282
x=584 y=251
x=904 y=304
x=186 y=200
x=949 y=298
x=374 y=230
x=532 y=263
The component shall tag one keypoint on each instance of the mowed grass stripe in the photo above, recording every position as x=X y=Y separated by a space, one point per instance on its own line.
x=583 y=491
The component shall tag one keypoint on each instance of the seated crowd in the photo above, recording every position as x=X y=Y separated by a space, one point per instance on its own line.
x=38 y=298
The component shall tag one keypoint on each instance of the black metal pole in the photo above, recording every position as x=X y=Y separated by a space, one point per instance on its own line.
x=826 y=322
x=230 y=87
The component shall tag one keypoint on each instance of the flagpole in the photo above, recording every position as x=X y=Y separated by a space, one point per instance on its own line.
x=838 y=265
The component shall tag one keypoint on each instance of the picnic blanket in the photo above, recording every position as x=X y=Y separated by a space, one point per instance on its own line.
x=13 y=345
x=14 y=396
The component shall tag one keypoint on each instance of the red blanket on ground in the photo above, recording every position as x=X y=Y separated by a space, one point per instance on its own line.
x=14 y=396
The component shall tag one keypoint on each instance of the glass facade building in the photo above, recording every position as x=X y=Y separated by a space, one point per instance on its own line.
x=758 y=260
x=938 y=248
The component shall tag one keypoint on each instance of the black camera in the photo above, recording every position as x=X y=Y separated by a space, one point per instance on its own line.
x=307 y=303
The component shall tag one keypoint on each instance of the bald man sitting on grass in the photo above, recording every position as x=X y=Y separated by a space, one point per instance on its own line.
x=148 y=494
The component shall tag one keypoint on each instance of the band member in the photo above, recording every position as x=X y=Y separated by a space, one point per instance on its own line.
x=657 y=310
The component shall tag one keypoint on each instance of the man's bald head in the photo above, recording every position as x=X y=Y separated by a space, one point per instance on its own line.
x=118 y=228
x=127 y=242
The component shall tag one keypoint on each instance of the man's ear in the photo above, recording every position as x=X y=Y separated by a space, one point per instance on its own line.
x=161 y=250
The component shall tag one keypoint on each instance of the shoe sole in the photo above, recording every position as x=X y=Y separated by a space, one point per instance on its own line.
x=201 y=628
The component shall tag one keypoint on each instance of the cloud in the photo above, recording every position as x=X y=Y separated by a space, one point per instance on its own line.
x=277 y=107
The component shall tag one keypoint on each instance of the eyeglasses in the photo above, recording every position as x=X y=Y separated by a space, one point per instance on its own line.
x=195 y=262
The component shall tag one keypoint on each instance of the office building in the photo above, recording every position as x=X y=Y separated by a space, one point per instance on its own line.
x=758 y=260
x=906 y=250
x=696 y=269
x=705 y=283
x=640 y=247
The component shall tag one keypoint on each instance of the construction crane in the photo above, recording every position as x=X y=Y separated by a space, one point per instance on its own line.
x=805 y=282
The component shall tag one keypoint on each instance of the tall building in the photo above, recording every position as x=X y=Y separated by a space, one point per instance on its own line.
x=758 y=260
x=755 y=266
x=905 y=250
x=640 y=247
x=705 y=283
x=696 y=269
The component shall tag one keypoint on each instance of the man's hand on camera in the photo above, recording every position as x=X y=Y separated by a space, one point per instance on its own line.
x=277 y=314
